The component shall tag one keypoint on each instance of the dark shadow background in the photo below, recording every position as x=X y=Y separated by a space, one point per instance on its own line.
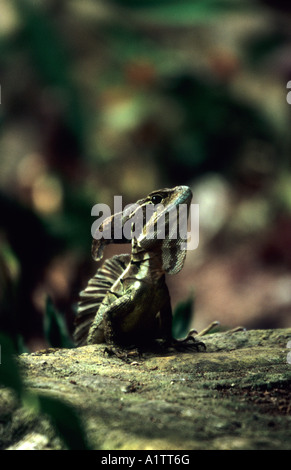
x=123 y=97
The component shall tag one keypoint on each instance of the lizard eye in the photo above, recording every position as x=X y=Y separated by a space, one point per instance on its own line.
x=157 y=199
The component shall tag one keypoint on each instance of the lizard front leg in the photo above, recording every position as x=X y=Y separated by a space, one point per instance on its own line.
x=112 y=316
x=114 y=336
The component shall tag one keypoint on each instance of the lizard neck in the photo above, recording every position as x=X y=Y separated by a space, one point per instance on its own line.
x=147 y=266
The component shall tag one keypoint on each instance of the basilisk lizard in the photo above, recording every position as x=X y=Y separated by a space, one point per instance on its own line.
x=127 y=302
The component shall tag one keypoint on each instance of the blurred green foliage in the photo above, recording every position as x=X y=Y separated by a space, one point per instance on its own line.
x=66 y=422
x=182 y=318
x=55 y=328
x=9 y=370
x=184 y=11
x=63 y=416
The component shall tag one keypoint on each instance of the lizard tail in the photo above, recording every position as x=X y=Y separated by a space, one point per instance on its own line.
x=92 y=296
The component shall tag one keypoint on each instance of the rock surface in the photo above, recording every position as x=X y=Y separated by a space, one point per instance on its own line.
x=236 y=395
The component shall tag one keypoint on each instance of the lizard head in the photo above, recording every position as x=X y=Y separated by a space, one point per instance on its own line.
x=156 y=225
x=164 y=228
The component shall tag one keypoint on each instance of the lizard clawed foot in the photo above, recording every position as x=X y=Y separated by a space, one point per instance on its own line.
x=237 y=328
x=210 y=327
x=124 y=354
x=190 y=343
x=217 y=323
x=213 y=325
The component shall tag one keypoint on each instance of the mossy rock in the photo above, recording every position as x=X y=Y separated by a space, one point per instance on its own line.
x=236 y=395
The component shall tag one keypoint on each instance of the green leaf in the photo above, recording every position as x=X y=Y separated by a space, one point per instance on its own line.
x=55 y=329
x=66 y=422
x=183 y=12
x=9 y=370
x=182 y=318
